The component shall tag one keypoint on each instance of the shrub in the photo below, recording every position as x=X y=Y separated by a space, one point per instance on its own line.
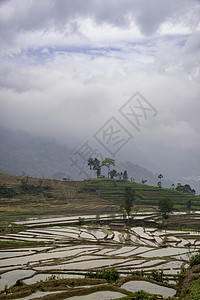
x=138 y=273
x=6 y=192
x=180 y=275
x=156 y=275
x=110 y=275
x=142 y=295
x=81 y=221
x=6 y=289
x=165 y=206
x=194 y=260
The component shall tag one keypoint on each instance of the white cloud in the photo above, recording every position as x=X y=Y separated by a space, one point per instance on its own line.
x=24 y=23
x=67 y=66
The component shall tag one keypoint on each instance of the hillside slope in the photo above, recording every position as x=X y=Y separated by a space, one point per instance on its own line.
x=22 y=197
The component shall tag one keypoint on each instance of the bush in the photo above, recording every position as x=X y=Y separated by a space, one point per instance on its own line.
x=156 y=275
x=165 y=206
x=81 y=221
x=194 y=260
x=6 y=192
x=138 y=273
x=110 y=275
x=142 y=295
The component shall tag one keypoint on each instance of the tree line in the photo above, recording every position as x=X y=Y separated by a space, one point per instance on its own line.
x=96 y=165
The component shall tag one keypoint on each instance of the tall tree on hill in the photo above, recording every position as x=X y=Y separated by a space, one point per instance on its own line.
x=172 y=186
x=185 y=189
x=129 y=197
x=113 y=174
x=160 y=176
x=125 y=175
x=95 y=164
x=90 y=163
x=108 y=162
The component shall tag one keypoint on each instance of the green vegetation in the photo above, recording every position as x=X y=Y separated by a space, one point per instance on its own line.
x=111 y=275
x=192 y=292
x=141 y=295
x=138 y=273
x=160 y=176
x=95 y=164
x=194 y=260
x=7 y=227
x=108 y=162
x=35 y=197
x=24 y=188
x=17 y=243
x=52 y=278
x=27 y=188
x=6 y=289
x=81 y=221
x=185 y=189
x=156 y=275
x=165 y=206
x=129 y=197
x=6 y=192
x=113 y=190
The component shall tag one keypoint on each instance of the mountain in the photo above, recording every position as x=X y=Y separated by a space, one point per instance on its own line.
x=22 y=153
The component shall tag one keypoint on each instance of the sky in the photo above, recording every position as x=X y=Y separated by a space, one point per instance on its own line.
x=123 y=76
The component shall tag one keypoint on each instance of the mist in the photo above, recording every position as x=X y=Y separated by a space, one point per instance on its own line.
x=67 y=68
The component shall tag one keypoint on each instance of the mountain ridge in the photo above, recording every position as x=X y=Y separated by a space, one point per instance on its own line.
x=22 y=153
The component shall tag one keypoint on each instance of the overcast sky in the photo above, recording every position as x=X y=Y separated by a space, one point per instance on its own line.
x=68 y=66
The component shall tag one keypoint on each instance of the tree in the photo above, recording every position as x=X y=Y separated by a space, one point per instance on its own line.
x=185 y=189
x=125 y=175
x=90 y=163
x=108 y=162
x=95 y=164
x=144 y=181
x=189 y=204
x=129 y=197
x=165 y=205
x=113 y=174
x=173 y=186
x=159 y=184
x=160 y=176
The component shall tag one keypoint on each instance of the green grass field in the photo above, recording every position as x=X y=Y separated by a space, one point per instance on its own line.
x=113 y=190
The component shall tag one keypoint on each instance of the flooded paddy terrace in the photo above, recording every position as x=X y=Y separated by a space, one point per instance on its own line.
x=70 y=251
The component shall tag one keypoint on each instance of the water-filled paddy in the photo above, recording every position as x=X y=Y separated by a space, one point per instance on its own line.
x=38 y=295
x=11 y=277
x=78 y=249
x=47 y=276
x=105 y=295
x=149 y=287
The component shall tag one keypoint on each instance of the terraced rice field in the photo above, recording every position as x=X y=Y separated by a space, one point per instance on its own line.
x=71 y=251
